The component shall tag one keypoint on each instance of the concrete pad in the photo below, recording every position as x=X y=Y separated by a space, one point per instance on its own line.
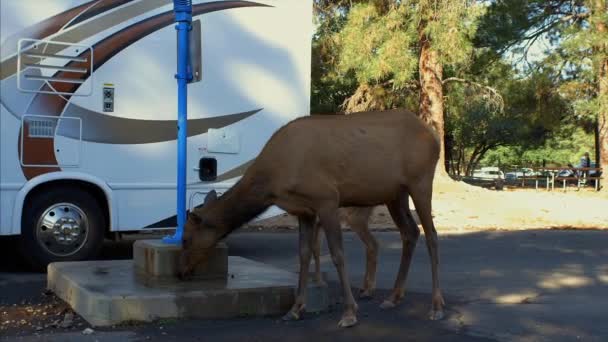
x=156 y=262
x=107 y=292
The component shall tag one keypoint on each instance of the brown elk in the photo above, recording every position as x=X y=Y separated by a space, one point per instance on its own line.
x=357 y=218
x=315 y=165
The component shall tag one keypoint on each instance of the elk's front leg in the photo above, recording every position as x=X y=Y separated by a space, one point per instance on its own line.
x=333 y=232
x=305 y=247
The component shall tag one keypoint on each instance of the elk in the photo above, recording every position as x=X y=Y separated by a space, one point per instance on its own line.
x=357 y=219
x=315 y=165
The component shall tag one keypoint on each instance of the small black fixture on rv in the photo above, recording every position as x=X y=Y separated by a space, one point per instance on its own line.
x=207 y=169
x=108 y=99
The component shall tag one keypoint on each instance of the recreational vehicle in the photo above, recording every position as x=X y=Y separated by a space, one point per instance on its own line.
x=89 y=107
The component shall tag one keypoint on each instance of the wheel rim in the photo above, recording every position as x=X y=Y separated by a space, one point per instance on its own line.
x=62 y=229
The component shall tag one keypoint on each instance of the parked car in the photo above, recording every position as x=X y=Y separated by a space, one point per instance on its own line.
x=593 y=173
x=490 y=172
x=521 y=172
x=487 y=176
x=566 y=173
x=510 y=176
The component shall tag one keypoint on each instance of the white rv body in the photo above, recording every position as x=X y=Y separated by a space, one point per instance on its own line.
x=255 y=78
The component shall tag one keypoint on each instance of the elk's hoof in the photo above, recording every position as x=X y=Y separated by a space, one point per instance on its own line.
x=185 y=275
x=291 y=316
x=347 y=321
x=436 y=315
x=366 y=294
x=387 y=304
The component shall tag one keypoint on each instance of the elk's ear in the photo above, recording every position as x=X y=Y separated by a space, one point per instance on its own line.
x=192 y=216
x=211 y=196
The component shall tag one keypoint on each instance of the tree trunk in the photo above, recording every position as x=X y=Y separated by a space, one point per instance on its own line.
x=596 y=136
x=602 y=120
x=458 y=158
x=449 y=153
x=461 y=161
x=469 y=169
x=600 y=6
x=481 y=154
x=431 y=95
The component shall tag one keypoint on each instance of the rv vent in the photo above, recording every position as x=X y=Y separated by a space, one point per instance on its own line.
x=41 y=128
x=51 y=67
x=67 y=149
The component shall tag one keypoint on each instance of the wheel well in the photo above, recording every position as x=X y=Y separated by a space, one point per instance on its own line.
x=91 y=188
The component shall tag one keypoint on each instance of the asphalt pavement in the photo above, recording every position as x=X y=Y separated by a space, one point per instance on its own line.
x=541 y=285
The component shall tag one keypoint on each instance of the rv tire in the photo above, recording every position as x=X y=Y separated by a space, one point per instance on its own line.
x=61 y=224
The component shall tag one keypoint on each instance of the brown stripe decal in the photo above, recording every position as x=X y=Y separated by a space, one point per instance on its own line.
x=107 y=129
x=50 y=25
x=120 y=40
x=103 y=51
x=53 y=24
x=236 y=172
x=40 y=151
x=100 y=7
x=37 y=154
x=112 y=45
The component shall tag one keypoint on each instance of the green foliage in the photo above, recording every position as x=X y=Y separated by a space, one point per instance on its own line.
x=515 y=25
x=583 y=49
x=380 y=43
x=565 y=147
x=454 y=29
x=558 y=100
x=533 y=109
x=329 y=89
x=366 y=52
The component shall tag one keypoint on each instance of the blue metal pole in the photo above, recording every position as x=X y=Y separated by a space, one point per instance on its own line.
x=183 y=17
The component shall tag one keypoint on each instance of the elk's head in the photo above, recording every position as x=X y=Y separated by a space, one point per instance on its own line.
x=201 y=233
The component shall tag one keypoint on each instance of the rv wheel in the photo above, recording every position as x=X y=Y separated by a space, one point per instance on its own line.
x=61 y=225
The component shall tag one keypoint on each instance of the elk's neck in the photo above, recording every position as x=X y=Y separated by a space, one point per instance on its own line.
x=242 y=203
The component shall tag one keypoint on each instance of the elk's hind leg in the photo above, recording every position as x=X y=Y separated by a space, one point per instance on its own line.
x=422 y=196
x=400 y=212
x=316 y=251
x=358 y=220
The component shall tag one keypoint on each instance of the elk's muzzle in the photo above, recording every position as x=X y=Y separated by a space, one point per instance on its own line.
x=189 y=261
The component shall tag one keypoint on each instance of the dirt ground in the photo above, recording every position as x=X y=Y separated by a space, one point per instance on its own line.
x=41 y=314
x=459 y=207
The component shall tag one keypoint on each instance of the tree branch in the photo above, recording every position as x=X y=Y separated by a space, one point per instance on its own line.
x=488 y=89
x=575 y=16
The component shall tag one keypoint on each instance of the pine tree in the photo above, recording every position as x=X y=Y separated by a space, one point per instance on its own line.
x=578 y=31
x=399 y=49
